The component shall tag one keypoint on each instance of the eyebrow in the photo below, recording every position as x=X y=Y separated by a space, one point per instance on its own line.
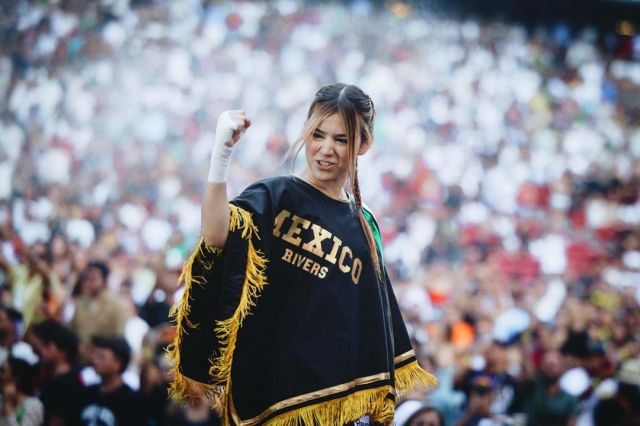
x=338 y=136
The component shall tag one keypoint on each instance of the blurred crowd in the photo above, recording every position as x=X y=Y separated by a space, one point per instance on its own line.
x=505 y=175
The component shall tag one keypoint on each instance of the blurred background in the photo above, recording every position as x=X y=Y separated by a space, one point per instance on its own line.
x=505 y=175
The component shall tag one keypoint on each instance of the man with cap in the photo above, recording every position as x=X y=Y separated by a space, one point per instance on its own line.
x=481 y=393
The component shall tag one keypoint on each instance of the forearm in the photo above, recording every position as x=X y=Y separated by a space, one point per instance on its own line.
x=215 y=214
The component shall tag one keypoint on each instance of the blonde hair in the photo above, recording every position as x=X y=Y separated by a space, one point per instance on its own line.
x=358 y=113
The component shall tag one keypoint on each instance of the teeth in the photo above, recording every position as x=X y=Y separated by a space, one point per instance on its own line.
x=324 y=163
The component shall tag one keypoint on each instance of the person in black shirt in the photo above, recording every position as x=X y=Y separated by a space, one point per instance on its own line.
x=112 y=402
x=62 y=392
x=288 y=315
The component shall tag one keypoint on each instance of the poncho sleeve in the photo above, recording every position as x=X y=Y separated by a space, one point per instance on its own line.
x=221 y=286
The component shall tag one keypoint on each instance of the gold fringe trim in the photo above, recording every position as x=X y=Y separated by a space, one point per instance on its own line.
x=412 y=376
x=227 y=330
x=342 y=411
x=181 y=387
x=241 y=219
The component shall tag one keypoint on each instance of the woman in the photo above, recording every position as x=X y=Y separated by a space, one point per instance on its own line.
x=288 y=316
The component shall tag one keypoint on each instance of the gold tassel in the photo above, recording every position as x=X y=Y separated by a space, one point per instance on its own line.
x=412 y=376
x=342 y=411
x=181 y=387
x=241 y=219
x=227 y=330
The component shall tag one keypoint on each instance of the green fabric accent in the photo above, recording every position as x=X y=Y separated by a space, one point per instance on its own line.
x=21 y=412
x=375 y=230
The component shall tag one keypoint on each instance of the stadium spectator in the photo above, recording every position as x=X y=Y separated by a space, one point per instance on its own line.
x=98 y=311
x=62 y=390
x=10 y=325
x=549 y=404
x=19 y=406
x=111 y=402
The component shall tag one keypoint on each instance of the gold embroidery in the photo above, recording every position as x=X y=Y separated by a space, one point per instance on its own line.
x=404 y=356
x=331 y=257
x=312 y=396
x=319 y=235
x=298 y=223
x=278 y=221
x=301 y=232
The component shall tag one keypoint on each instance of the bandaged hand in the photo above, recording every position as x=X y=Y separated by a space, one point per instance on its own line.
x=230 y=127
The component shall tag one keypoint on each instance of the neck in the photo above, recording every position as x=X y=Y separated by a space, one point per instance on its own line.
x=332 y=189
x=111 y=383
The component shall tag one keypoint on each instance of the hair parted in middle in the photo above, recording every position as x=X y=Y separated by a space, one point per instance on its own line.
x=357 y=111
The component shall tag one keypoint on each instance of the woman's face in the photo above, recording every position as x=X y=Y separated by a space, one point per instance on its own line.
x=327 y=154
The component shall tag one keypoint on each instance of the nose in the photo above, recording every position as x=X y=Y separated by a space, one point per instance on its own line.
x=327 y=146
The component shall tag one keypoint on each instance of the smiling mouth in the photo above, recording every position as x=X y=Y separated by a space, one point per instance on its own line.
x=324 y=164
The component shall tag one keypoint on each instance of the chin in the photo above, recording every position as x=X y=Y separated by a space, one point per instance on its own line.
x=325 y=177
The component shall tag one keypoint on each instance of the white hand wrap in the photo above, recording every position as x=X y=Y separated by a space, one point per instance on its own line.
x=221 y=153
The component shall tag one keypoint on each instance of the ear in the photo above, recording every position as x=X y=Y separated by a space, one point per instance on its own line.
x=364 y=146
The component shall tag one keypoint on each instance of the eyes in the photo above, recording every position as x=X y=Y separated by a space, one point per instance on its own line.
x=319 y=135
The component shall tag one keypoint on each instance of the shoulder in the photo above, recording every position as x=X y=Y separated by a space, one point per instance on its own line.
x=33 y=411
x=125 y=389
x=18 y=272
x=263 y=193
x=68 y=380
x=111 y=299
x=369 y=215
x=33 y=404
x=94 y=388
x=368 y=210
x=271 y=184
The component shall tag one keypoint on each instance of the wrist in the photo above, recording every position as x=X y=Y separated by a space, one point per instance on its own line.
x=219 y=165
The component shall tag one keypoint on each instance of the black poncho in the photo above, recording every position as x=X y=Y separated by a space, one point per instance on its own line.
x=288 y=323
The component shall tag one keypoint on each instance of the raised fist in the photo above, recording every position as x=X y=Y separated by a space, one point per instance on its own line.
x=230 y=127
